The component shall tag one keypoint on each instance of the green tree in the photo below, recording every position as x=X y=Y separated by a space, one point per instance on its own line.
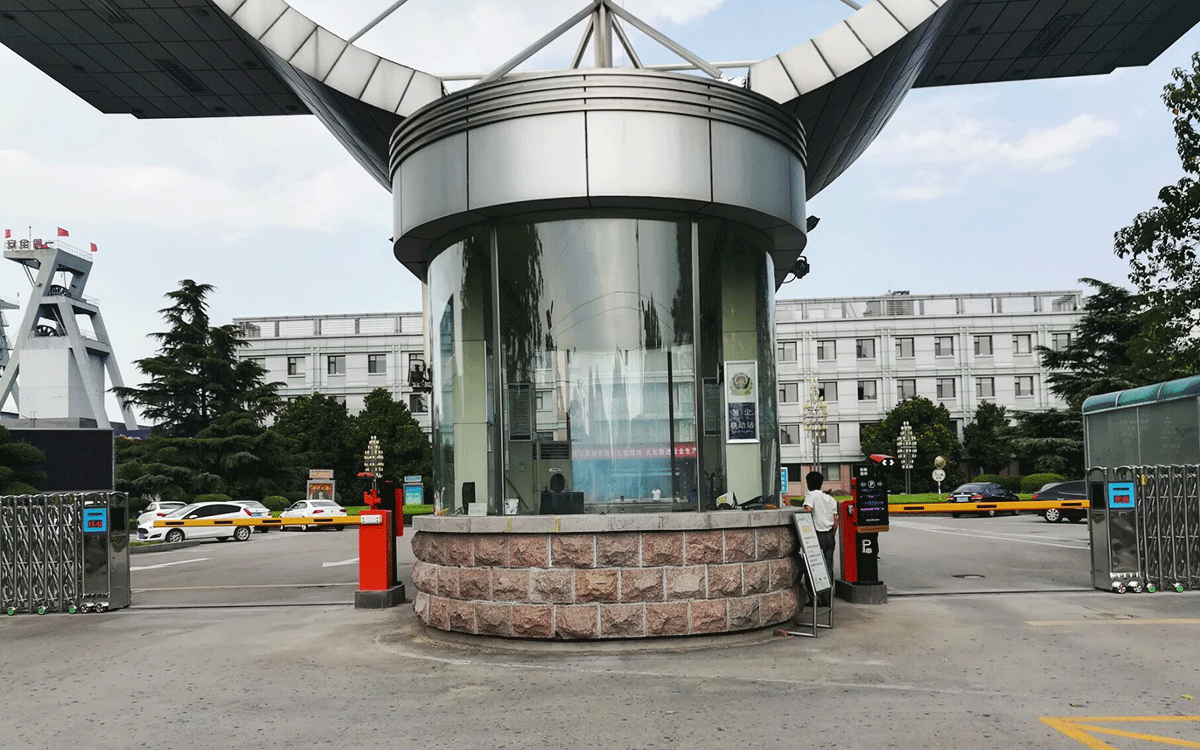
x=324 y=435
x=986 y=439
x=16 y=462
x=161 y=467
x=1049 y=441
x=251 y=461
x=1161 y=243
x=1111 y=349
x=197 y=376
x=406 y=450
x=931 y=427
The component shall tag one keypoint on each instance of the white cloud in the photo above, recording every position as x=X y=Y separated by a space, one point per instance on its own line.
x=927 y=186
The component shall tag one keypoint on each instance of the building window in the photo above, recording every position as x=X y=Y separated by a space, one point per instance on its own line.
x=832 y=435
x=864 y=348
x=260 y=361
x=1022 y=343
x=906 y=389
x=943 y=346
x=417 y=403
x=376 y=364
x=789 y=434
x=295 y=366
x=1060 y=341
x=786 y=351
x=945 y=388
x=1024 y=385
x=904 y=348
x=337 y=364
x=831 y=472
x=341 y=400
x=985 y=387
x=866 y=390
x=954 y=429
x=826 y=350
x=789 y=393
x=983 y=346
x=827 y=390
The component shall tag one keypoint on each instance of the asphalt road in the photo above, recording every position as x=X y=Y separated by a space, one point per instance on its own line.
x=944 y=668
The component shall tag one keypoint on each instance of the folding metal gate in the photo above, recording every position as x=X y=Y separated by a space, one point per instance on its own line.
x=1153 y=544
x=64 y=552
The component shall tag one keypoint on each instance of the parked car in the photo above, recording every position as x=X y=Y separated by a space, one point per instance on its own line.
x=1063 y=491
x=158 y=509
x=257 y=510
x=149 y=533
x=311 y=509
x=983 y=492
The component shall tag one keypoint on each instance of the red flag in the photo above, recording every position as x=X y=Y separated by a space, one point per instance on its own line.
x=93 y=247
x=63 y=233
x=7 y=233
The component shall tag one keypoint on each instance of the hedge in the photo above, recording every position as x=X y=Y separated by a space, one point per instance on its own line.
x=276 y=503
x=1012 y=484
x=1034 y=482
x=212 y=498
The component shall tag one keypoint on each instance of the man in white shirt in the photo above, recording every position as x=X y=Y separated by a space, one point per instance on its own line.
x=824 y=514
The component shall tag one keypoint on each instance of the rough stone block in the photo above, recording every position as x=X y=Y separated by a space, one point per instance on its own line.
x=597 y=585
x=642 y=585
x=461 y=551
x=703 y=547
x=770 y=541
x=739 y=545
x=510 y=585
x=665 y=548
x=783 y=574
x=494 y=619
x=420 y=546
x=755 y=577
x=475 y=583
x=447 y=582
x=434 y=548
x=555 y=586
x=421 y=605
x=723 y=581
x=529 y=551
x=531 y=621
x=618 y=550
x=787 y=541
x=424 y=577
x=574 y=621
x=461 y=615
x=491 y=550
x=771 y=607
x=791 y=602
x=573 y=551
x=686 y=583
x=710 y=616
x=622 y=621
x=744 y=613
x=666 y=618
x=438 y=613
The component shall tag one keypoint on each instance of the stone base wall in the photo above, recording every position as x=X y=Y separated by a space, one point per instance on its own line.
x=606 y=584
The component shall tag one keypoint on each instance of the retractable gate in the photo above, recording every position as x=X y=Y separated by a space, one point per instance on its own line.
x=64 y=552
x=1145 y=525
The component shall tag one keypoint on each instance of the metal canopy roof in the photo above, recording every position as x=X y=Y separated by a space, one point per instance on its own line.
x=220 y=58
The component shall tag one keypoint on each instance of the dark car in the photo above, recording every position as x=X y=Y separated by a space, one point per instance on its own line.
x=1063 y=491
x=983 y=492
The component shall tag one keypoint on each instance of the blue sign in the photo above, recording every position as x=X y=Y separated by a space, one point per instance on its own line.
x=414 y=494
x=1120 y=495
x=412 y=479
x=783 y=479
x=95 y=520
x=743 y=421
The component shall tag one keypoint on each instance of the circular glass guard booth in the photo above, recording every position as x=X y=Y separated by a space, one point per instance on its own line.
x=599 y=399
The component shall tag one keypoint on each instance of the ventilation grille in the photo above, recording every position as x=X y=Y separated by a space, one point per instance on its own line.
x=555 y=450
x=109 y=11
x=187 y=80
x=1050 y=36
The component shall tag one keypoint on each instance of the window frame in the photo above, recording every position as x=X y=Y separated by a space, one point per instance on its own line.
x=783 y=392
x=781 y=351
x=991 y=382
x=822 y=354
x=939 y=342
x=799 y=433
x=823 y=390
x=874 y=388
x=381 y=360
x=900 y=388
x=979 y=338
x=912 y=347
x=1017 y=393
x=335 y=364
x=941 y=382
x=295 y=365
x=860 y=345
x=1017 y=338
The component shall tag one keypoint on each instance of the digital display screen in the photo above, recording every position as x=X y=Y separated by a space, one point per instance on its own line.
x=1121 y=495
x=95 y=520
x=76 y=460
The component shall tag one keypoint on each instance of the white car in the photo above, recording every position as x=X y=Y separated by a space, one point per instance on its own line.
x=158 y=509
x=313 y=509
x=148 y=532
x=257 y=510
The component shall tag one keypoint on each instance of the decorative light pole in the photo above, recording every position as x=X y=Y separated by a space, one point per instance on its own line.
x=815 y=415
x=373 y=462
x=906 y=446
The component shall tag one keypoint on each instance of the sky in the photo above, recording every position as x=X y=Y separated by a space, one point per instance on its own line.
x=992 y=188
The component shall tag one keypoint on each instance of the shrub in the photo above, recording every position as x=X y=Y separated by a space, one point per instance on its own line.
x=1034 y=482
x=212 y=497
x=294 y=497
x=276 y=503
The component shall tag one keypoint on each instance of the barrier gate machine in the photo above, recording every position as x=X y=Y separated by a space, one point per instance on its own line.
x=64 y=552
x=1145 y=528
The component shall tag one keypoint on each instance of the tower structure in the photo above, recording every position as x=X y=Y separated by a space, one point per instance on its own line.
x=61 y=363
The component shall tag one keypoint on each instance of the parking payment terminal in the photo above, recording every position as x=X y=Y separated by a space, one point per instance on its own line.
x=862 y=518
x=1116 y=562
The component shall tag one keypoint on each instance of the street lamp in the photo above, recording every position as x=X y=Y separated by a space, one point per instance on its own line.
x=373 y=461
x=906 y=446
x=815 y=415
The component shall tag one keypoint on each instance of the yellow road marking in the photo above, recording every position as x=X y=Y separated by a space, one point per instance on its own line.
x=1079 y=728
x=1131 y=621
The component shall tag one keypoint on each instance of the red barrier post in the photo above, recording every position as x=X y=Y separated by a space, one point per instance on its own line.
x=848 y=528
x=377 y=586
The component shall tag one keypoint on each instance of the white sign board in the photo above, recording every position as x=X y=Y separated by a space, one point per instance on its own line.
x=810 y=553
x=939 y=475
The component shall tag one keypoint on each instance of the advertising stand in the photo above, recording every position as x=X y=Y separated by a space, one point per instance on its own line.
x=817 y=580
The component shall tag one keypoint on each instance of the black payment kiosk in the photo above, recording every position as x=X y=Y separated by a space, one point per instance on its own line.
x=862 y=518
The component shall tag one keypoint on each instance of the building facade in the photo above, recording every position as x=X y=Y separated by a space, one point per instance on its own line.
x=864 y=355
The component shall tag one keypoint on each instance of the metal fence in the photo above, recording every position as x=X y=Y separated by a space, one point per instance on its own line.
x=64 y=552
